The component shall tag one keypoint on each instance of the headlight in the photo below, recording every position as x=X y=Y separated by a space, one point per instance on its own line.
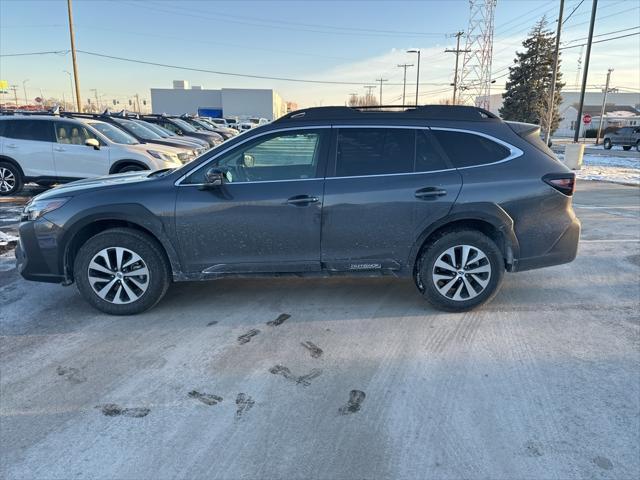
x=163 y=156
x=36 y=209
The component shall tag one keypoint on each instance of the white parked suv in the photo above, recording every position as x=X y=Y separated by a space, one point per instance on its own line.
x=49 y=149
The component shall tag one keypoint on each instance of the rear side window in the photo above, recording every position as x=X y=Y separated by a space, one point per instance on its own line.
x=374 y=151
x=468 y=150
x=38 y=130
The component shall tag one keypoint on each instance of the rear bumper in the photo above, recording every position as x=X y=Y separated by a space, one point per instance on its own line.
x=563 y=251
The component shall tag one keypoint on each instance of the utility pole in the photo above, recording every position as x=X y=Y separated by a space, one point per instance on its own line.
x=24 y=89
x=457 y=51
x=381 y=80
x=15 y=93
x=576 y=134
x=604 y=105
x=71 y=85
x=552 y=94
x=73 y=56
x=138 y=103
x=369 y=89
x=404 y=82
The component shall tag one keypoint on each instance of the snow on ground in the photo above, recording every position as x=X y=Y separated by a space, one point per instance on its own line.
x=623 y=170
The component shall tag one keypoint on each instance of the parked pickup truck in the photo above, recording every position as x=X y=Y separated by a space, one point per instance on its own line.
x=626 y=136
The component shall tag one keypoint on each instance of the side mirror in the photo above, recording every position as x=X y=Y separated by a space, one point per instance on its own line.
x=92 y=142
x=214 y=177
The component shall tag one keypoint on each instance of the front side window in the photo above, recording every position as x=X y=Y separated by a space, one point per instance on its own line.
x=468 y=149
x=374 y=151
x=72 y=133
x=38 y=130
x=279 y=156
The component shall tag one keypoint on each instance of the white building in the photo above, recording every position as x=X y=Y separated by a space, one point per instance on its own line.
x=226 y=102
x=622 y=110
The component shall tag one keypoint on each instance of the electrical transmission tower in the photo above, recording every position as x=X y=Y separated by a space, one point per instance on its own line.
x=475 y=80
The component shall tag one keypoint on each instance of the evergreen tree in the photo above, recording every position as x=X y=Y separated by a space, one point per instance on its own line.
x=527 y=91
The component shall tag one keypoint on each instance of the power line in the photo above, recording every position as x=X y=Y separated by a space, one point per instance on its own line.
x=603 y=34
x=234 y=74
x=572 y=12
x=603 y=40
x=56 y=52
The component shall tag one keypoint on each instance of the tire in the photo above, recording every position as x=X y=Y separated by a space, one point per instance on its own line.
x=130 y=168
x=11 y=181
x=100 y=251
x=626 y=148
x=607 y=144
x=483 y=254
x=638 y=146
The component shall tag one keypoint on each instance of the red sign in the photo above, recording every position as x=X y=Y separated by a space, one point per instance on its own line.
x=586 y=119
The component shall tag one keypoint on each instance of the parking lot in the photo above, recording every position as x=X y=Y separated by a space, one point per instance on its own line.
x=337 y=378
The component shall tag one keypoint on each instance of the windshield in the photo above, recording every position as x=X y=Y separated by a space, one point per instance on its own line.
x=141 y=131
x=204 y=124
x=163 y=132
x=231 y=120
x=184 y=125
x=114 y=133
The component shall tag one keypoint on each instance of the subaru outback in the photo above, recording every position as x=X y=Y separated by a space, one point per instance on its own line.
x=451 y=196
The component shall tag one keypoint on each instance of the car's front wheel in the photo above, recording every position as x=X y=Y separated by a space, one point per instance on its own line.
x=607 y=144
x=626 y=147
x=122 y=271
x=459 y=270
x=10 y=179
x=638 y=146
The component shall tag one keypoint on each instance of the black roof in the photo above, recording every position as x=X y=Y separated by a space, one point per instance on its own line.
x=388 y=112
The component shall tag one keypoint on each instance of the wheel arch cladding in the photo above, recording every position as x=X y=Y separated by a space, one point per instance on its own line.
x=130 y=217
x=125 y=163
x=487 y=218
x=4 y=158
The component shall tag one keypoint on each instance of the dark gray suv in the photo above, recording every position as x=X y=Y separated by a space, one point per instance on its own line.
x=450 y=196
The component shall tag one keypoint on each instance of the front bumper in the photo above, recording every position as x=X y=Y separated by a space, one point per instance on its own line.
x=38 y=256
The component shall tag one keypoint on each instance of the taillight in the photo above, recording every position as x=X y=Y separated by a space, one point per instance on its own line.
x=563 y=182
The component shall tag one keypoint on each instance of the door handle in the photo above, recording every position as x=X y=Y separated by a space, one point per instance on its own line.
x=430 y=193
x=59 y=149
x=11 y=145
x=302 y=200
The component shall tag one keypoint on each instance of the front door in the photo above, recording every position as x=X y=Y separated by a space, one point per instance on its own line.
x=74 y=159
x=266 y=216
x=386 y=186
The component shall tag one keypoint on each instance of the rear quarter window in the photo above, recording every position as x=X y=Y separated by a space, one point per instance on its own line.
x=468 y=149
x=38 y=130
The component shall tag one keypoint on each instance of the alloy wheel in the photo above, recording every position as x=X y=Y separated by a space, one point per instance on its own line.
x=118 y=275
x=7 y=180
x=461 y=272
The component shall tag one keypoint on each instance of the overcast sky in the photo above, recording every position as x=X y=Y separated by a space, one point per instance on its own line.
x=357 y=41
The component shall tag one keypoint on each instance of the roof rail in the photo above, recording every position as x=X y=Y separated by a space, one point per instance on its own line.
x=426 y=112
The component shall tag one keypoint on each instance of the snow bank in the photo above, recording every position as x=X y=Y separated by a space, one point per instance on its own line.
x=603 y=168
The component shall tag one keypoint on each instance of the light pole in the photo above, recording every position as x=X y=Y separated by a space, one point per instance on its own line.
x=24 y=89
x=404 y=82
x=71 y=85
x=416 y=50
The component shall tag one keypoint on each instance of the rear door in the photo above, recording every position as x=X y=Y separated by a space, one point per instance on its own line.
x=29 y=142
x=74 y=159
x=384 y=187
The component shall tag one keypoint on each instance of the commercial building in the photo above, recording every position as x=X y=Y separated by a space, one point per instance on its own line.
x=226 y=102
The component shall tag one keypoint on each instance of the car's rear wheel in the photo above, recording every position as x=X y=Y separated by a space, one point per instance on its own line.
x=626 y=147
x=11 y=181
x=459 y=270
x=607 y=144
x=638 y=146
x=122 y=271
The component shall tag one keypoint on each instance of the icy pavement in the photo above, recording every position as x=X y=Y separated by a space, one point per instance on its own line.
x=615 y=169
